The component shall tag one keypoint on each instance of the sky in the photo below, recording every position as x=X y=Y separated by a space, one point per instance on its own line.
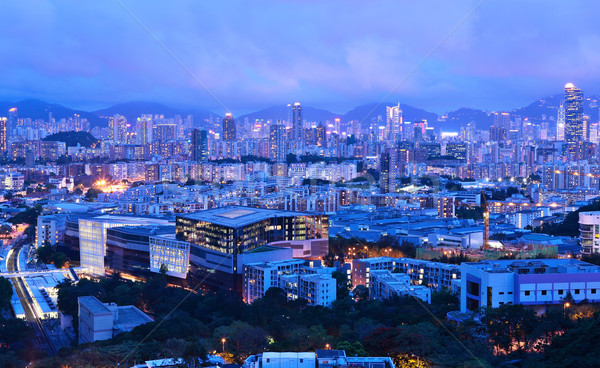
x=241 y=56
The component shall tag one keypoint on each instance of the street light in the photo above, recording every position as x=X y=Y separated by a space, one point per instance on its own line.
x=223 y=340
x=327 y=346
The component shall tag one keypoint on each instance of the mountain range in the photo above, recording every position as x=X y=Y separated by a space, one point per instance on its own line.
x=540 y=110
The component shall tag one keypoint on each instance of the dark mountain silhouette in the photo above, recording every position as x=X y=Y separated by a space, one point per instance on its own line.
x=132 y=110
x=463 y=116
x=37 y=109
x=280 y=112
x=370 y=112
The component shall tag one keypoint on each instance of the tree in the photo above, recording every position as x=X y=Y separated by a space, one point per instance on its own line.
x=59 y=259
x=341 y=283
x=361 y=292
x=6 y=292
x=92 y=194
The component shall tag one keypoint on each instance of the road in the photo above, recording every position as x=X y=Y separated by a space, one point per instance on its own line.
x=41 y=336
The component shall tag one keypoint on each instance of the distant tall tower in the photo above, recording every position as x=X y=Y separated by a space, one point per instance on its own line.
x=117 y=126
x=394 y=119
x=12 y=120
x=573 y=114
x=297 y=126
x=277 y=151
x=144 y=129
x=388 y=169
x=228 y=128
x=199 y=149
x=3 y=136
x=560 y=123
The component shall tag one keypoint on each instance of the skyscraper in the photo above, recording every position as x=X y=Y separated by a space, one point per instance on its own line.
x=277 y=142
x=394 y=120
x=560 y=123
x=144 y=129
x=228 y=128
x=297 y=126
x=117 y=126
x=3 y=137
x=199 y=147
x=573 y=114
x=388 y=170
x=12 y=120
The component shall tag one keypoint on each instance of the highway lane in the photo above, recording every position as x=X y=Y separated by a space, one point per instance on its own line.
x=41 y=336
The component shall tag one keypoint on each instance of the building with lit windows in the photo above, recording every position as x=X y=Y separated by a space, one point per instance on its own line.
x=199 y=149
x=589 y=232
x=315 y=289
x=3 y=135
x=436 y=275
x=93 y=237
x=386 y=285
x=535 y=283
x=229 y=133
x=294 y=276
x=173 y=254
x=223 y=239
x=277 y=143
x=50 y=230
x=574 y=129
x=128 y=248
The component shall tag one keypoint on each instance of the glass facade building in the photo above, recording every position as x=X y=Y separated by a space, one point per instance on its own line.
x=93 y=237
x=219 y=235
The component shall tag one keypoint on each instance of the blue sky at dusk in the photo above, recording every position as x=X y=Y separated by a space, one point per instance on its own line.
x=332 y=55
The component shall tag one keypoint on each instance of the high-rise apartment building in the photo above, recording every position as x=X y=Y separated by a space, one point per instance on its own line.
x=277 y=142
x=574 y=131
x=297 y=125
x=229 y=128
x=117 y=126
x=388 y=170
x=560 y=123
x=199 y=149
x=394 y=119
x=144 y=129
x=3 y=135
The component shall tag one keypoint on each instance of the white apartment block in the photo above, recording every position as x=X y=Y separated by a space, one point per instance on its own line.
x=316 y=289
x=385 y=285
x=50 y=230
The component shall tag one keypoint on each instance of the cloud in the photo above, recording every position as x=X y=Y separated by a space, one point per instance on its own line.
x=339 y=53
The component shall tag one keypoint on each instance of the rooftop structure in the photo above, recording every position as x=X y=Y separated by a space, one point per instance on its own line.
x=530 y=282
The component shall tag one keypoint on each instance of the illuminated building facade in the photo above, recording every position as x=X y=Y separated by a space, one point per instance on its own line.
x=93 y=237
x=222 y=237
x=574 y=130
x=173 y=254
x=229 y=133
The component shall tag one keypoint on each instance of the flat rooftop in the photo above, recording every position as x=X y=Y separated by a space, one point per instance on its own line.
x=93 y=305
x=237 y=216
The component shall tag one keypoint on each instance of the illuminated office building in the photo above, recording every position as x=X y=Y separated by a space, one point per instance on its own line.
x=3 y=135
x=199 y=149
x=93 y=238
x=224 y=239
x=277 y=143
x=229 y=128
x=574 y=130
x=167 y=251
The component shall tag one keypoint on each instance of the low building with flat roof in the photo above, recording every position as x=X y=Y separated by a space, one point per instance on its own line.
x=535 y=283
x=102 y=321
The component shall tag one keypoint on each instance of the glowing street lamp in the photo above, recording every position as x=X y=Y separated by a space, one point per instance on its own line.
x=223 y=341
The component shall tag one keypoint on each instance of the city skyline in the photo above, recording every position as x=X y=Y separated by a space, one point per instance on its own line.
x=324 y=55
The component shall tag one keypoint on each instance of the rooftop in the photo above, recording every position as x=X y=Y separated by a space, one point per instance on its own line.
x=237 y=216
x=93 y=305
